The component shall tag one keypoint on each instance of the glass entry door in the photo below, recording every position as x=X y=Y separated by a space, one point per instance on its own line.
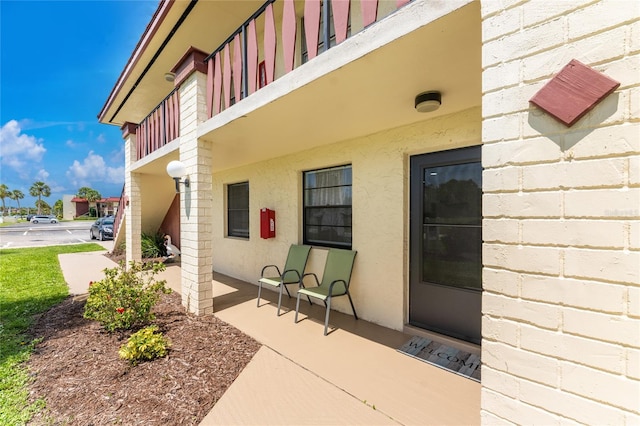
x=445 y=288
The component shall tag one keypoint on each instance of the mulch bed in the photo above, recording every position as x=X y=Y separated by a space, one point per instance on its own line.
x=77 y=371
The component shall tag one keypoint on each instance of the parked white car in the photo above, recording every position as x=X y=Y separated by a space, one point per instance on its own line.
x=44 y=219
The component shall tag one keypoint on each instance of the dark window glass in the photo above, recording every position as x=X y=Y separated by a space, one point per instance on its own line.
x=238 y=210
x=327 y=207
x=452 y=225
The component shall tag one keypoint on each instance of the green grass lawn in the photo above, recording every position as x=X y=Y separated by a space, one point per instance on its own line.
x=31 y=282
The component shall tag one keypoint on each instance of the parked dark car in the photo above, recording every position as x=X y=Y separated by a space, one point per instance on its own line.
x=102 y=229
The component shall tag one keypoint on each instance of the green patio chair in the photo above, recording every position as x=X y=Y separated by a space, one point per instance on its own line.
x=335 y=282
x=292 y=273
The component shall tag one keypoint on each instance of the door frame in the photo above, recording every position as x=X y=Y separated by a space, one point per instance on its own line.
x=452 y=156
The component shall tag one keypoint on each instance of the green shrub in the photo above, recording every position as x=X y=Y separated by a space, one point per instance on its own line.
x=144 y=345
x=125 y=297
x=151 y=245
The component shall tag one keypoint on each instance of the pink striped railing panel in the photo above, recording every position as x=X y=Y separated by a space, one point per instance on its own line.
x=217 y=83
x=269 y=43
x=340 y=18
x=237 y=68
x=252 y=57
x=289 y=34
x=312 y=26
x=226 y=76
x=369 y=10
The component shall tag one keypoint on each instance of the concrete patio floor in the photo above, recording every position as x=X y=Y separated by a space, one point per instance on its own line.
x=353 y=376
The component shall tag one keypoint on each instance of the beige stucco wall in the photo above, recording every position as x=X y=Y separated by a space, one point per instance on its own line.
x=380 y=210
x=68 y=208
x=561 y=301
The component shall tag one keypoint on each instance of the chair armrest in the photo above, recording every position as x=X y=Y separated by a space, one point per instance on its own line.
x=346 y=287
x=307 y=274
x=270 y=266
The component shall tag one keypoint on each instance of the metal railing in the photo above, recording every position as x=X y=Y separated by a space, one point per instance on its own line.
x=119 y=213
x=160 y=127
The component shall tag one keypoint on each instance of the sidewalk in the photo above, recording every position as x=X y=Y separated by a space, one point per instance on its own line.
x=353 y=376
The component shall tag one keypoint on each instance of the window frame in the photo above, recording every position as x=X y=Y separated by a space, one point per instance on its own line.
x=305 y=208
x=231 y=211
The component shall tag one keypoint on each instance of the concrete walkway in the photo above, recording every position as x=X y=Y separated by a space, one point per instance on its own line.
x=353 y=376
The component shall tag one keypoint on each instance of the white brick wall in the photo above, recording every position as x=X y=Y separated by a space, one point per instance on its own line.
x=561 y=228
x=195 y=201
x=133 y=212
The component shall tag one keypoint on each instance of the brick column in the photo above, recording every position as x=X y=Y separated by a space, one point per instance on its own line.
x=133 y=211
x=561 y=310
x=196 y=200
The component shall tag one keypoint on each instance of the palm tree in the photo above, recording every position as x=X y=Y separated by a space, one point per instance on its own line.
x=4 y=193
x=58 y=208
x=17 y=195
x=39 y=189
x=91 y=195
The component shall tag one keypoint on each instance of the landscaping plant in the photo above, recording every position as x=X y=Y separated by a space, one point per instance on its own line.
x=31 y=282
x=125 y=297
x=146 y=344
x=152 y=245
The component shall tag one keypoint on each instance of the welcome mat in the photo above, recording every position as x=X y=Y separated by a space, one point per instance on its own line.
x=460 y=362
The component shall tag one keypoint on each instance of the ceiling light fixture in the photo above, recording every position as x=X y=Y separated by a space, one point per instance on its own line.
x=428 y=101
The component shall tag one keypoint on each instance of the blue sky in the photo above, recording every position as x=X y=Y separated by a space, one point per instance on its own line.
x=58 y=63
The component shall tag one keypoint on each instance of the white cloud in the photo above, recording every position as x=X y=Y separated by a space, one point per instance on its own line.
x=70 y=143
x=18 y=148
x=118 y=156
x=94 y=169
x=42 y=175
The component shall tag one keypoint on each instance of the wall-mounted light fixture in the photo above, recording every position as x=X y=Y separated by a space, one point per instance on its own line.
x=428 y=101
x=169 y=76
x=176 y=170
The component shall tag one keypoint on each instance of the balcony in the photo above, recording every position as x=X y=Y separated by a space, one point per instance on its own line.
x=277 y=38
x=245 y=62
x=160 y=127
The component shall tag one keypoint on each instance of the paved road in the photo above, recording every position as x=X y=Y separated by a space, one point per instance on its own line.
x=46 y=234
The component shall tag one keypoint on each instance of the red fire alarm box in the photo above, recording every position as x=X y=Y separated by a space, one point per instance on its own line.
x=267 y=223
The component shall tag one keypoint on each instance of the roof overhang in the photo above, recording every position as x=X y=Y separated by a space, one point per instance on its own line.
x=174 y=28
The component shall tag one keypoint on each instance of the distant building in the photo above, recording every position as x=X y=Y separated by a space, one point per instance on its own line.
x=75 y=206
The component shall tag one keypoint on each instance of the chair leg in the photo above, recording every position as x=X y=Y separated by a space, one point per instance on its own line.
x=280 y=298
x=301 y=285
x=288 y=294
x=259 y=291
x=352 y=307
x=326 y=317
x=295 y=320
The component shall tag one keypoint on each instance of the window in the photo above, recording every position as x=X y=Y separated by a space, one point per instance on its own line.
x=238 y=210
x=327 y=207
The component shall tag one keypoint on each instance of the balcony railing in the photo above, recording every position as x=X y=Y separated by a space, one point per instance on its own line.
x=119 y=213
x=160 y=127
x=233 y=69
